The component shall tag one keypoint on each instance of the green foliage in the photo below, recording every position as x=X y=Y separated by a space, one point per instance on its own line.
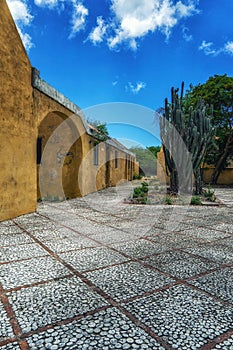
x=140 y=194
x=144 y=200
x=181 y=133
x=137 y=177
x=145 y=187
x=146 y=159
x=101 y=132
x=195 y=200
x=102 y=128
x=209 y=194
x=168 y=200
x=217 y=91
x=154 y=150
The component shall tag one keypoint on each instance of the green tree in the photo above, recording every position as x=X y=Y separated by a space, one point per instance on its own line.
x=154 y=150
x=101 y=129
x=218 y=92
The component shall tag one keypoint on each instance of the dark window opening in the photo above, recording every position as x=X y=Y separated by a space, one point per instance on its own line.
x=39 y=150
x=96 y=154
x=116 y=159
x=129 y=162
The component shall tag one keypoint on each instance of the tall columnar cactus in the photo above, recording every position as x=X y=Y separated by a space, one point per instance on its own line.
x=185 y=139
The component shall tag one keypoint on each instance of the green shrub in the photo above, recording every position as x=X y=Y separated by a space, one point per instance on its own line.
x=168 y=200
x=209 y=194
x=138 y=192
x=144 y=187
x=143 y=200
x=137 y=177
x=195 y=200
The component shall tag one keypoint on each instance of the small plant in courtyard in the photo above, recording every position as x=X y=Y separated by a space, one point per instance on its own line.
x=137 y=177
x=140 y=194
x=209 y=194
x=195 y=200
x=144 y=187
x=168 y=200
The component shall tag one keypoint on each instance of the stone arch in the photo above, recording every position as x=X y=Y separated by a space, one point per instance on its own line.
x=59 y=155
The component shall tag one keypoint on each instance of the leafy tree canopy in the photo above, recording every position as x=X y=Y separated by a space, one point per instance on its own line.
x=102 y=129
x=218 y=93
x=154 y=150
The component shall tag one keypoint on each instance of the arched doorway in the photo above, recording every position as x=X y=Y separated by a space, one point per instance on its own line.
x=59 y=155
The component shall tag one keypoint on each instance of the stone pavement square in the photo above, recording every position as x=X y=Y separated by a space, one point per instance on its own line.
x=19 y=252
x=52 y=233
x=214 y=252
x=218 y=283
x=180 y=264
x=91 y=273
x=28 y=272
x=9 y=239
x=108 y=329
x=183 y=317
x=92 y=258
x=127 y=280
x=176 y=240
x=51 y=302
x=139 y=248
x=74 y=242
x=205 y=233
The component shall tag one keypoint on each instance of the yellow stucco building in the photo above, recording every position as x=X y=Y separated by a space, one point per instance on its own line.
x=47 y=149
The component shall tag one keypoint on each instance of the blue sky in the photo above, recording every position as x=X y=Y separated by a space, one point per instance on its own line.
x=102 y=52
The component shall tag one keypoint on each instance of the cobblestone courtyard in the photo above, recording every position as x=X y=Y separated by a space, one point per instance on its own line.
x=94 y=273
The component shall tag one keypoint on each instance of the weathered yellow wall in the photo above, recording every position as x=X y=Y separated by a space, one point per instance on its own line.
x=105 y=174
x=18 y=128
x=101 y=181
x=61 y=158
x=161 y=170
x=26 y=114
x=225 y=177
x=136 y=168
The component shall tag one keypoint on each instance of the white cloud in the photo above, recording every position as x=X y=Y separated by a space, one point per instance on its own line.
x=80 y=12
x=98 y=33
x=22 y=17
x=187 y=37
x=132 y=20
x=78 y=16
x=135 y=89
x=20 y=11
x=26 y=39
x=208 y=49
x=228 y=48
x=44 y=3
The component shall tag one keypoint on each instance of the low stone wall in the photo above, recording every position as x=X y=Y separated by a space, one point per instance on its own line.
x=225 y=178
